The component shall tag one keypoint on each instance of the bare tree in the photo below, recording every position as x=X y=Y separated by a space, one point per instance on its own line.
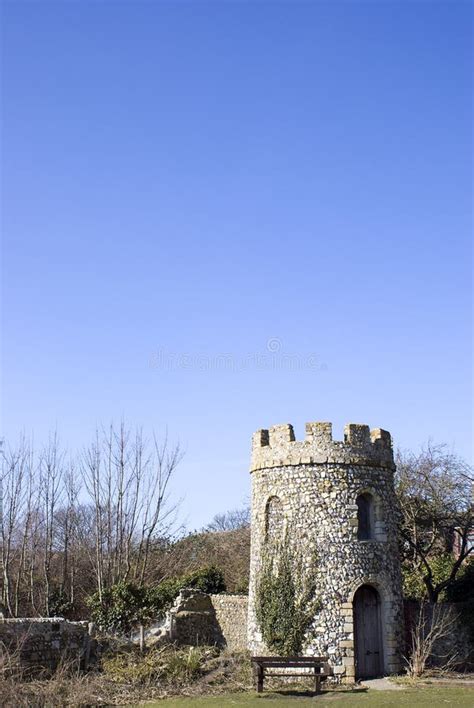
x=67 y=519
x=61 y=541
x=434 y=625
x=435 y=492
x=230 y=520
x=14 y=473
x=158 y=516
x=127 y=481
x=91 y=468
x=25 y=530
x=51 y=470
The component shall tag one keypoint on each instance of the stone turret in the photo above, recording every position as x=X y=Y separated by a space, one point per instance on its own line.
x=334 y=503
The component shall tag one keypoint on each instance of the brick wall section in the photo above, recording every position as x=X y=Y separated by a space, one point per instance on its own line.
x=42 y=643
x=231 y=615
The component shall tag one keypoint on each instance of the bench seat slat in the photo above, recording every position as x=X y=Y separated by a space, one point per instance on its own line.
x=311 y=676
x=286 y=659
x=291 y=664
x=317 y=665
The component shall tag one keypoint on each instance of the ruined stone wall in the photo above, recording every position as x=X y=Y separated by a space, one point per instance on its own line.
x=197 y=618
x=192 y=619
x=231 y=615
x=315 y=483
x=43 y=643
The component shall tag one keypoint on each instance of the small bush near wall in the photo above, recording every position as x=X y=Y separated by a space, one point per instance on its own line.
x=124 y=605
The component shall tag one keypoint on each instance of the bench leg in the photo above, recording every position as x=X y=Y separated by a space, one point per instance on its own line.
x=259 y=676
x=317 y=682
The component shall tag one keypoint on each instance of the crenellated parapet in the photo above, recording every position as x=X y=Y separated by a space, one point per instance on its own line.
x=277 y=447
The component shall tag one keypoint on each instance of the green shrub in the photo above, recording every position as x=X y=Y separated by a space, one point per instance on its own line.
x=121 y=606
x=60 y=604
x=124 y=605
x=210 y=579
x=414 y=587
x=285 y=602
x=184 y=666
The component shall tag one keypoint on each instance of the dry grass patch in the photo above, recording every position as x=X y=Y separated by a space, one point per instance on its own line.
x=126 y=677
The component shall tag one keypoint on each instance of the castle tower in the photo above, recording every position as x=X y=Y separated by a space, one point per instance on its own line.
x=334 y=503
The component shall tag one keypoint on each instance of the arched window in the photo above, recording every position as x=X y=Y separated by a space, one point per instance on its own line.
x=273 y=521
x=365 y=517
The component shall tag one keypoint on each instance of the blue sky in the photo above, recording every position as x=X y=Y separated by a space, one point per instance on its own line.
x=284 y=185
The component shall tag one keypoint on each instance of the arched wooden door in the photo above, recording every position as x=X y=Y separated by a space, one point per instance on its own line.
x=367 y=633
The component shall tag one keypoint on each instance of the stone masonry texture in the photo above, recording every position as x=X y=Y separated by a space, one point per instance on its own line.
x=314 y=484
x=197 y=618
x=44 y=643
x=231 y=615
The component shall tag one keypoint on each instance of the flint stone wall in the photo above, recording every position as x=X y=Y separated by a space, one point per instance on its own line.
x=315 y=483
x=43 y=643
x=231 y=615
x=198 y=618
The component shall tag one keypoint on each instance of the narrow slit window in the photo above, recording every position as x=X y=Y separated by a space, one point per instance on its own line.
x=364 y=517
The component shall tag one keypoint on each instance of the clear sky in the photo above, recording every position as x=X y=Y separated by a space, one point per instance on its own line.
x=222 y=216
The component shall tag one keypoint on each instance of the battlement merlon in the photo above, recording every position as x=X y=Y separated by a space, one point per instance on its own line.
x=277 y=447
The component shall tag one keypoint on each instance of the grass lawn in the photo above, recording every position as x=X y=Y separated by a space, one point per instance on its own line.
x=420 y=696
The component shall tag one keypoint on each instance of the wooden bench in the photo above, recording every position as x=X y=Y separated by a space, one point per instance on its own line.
x=319 y=665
